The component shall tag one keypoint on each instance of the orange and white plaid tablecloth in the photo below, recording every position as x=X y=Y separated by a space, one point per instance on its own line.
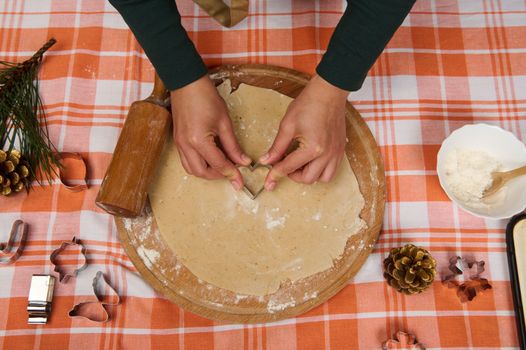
x=451 y=63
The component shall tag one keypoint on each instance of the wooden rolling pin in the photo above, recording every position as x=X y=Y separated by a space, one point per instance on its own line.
x=124 y=188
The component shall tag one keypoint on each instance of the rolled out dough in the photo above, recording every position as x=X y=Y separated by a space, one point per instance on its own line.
x=252 y=246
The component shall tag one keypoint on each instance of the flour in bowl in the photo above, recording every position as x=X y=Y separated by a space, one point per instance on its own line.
x=468 y=175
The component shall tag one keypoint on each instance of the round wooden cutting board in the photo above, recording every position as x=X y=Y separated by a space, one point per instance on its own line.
x=158 y=264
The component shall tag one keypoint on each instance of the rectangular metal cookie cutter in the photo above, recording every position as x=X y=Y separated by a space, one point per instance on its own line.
x=40 y=298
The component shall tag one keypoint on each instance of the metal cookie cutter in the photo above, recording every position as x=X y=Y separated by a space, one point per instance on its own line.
x=251 y=192
x=40 y=298
x=65 y=276
x=75 y=185
x=18 y=235
x=96 y=311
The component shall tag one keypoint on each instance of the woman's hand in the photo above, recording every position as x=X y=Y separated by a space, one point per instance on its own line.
x=316 y=119
x=200 y=119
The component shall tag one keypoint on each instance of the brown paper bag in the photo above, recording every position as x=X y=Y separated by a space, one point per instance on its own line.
x=228 y=16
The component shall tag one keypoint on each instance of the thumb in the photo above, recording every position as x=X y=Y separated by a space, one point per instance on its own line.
x=231 y=146
x=281 y=143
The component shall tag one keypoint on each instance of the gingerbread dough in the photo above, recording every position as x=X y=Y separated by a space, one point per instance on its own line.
x=252 y=246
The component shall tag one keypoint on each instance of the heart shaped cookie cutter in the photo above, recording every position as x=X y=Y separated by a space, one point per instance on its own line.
x=252 y=193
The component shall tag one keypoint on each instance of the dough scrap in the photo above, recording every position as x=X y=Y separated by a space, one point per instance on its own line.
x=252 y=246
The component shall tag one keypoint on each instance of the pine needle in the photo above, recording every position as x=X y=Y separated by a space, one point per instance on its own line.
x=22 y=116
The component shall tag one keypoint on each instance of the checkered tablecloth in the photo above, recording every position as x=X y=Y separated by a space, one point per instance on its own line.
x=451 y=63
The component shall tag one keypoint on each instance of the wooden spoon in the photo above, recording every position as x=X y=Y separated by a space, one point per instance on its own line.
x=500 y=178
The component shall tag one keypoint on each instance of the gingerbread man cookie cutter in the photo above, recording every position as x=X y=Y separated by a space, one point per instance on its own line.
x=63 y=275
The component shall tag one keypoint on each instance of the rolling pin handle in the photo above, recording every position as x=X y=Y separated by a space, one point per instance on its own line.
x=159 y=95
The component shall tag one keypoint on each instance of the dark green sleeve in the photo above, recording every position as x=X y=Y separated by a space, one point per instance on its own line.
x=157 y=26
x=362 y=33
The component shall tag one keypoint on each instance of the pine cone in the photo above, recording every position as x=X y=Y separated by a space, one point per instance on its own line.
x=14 y=172
x=409 y=269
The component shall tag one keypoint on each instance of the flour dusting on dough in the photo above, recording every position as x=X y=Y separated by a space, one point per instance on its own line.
x=272 y=220
x=316 y=217
x=246 y=204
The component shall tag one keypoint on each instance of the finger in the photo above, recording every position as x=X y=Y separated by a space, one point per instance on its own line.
x=198 y=165
x=217 y=161
x=310 y=172
x=231 y=146
x=184 y=161
x=280 y=145
x=330 y=171
x=291 y=163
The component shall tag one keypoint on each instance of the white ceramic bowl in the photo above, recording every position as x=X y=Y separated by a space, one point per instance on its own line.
x=502 y=145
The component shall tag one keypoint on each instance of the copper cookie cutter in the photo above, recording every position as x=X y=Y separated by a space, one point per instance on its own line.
x=18 y=235
x=63 y=275
x=466 y=278
x=252 y=193
x=75 y=185
x=97 y=311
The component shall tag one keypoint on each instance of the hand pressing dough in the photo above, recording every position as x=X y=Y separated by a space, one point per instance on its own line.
x=252 y=246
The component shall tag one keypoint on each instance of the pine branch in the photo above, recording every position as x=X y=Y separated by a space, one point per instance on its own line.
x=22 y=116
